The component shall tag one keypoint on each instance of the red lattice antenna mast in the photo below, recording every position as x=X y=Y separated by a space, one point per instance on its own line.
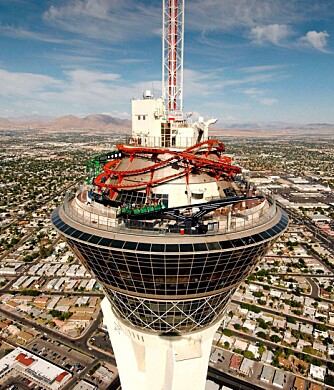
x=172 y=52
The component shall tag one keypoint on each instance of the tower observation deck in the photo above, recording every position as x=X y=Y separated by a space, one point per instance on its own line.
x=170 y=227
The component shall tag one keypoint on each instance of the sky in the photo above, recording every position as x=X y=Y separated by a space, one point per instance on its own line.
x=244 y=60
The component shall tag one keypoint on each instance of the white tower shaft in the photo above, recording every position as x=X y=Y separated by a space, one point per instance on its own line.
x=151 y=362
x=172 y=51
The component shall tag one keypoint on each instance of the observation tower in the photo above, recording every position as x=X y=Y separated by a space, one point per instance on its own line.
x=170 y=227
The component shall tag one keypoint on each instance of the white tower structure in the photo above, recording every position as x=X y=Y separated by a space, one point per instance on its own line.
x=168 y=232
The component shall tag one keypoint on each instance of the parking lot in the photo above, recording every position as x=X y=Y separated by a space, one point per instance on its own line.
x=101 y=340
x=60 y=354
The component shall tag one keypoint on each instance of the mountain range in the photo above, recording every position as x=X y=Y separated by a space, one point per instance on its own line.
x=97 y=122
x=102 y=122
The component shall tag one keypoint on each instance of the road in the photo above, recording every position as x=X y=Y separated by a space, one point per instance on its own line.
x=8 y=290
x=79 y=343
x=315 y=290
x=302 y=294
x=268 y=343
x=22 y=241
x=324 y=238
x=281 y=314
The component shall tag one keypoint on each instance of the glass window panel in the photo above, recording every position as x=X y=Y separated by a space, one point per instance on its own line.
x=117 y=244
x=94 y=239
x=158 y=248
x=172 y=248
x=200 y=247
x=186 y=248
x=130 y=245
x=142 y=246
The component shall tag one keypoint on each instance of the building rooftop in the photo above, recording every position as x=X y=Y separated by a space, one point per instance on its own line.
x=34 y=367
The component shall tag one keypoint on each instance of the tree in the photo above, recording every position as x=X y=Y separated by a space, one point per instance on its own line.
x=321 y=327
x=249 y=355
x=258 y=294
x=291 y=320
x=32 y=293
x=263 y=324
x=274 y=338
x=228 y=332
x=329 y=380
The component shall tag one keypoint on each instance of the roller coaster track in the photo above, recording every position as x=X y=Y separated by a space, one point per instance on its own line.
x=193 y=158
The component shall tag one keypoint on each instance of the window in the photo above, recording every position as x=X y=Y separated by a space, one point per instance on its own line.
x=199 y=194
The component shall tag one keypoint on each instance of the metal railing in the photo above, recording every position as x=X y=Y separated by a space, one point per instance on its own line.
x=169 y=141
x=104 y=218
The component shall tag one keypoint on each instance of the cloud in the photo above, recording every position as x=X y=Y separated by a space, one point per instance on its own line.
x=274 y=33
x=268 y=101
x=317 y=40
x=21 y=33
x=15 y=84
x=262 y=68
x=110 y=20
x=83 y=77
x=232 y=15
x=79 y=91
x=259 y=95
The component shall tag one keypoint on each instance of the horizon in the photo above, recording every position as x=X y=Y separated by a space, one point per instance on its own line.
x=243 y=62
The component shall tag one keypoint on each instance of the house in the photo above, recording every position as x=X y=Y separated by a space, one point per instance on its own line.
x=280 y=323
x=235 y=362
x=250 y=325
x=302 y=343
x=267 y=318
x=306 y=328
x=299 y=384
x=318 y=333
x=267 y=357
x=317 y=373
x=215 y=355
x=319 y=347
x=246 y=367
x=216 y=337
x=14 y=330
x=288 y=338
x=309 y=312
x=209 y=385
x=83 y=385
x=226 y=339
x=298 y=364
x=266 y=374
x=314 y=386
x=279 y=379
x=240 y=344
x=286 y=363
x=254 y=349
x=25 y=337
x=275 y=293
x=292 y=326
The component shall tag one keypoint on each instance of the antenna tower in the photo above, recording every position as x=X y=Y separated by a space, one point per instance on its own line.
x=172 y=52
